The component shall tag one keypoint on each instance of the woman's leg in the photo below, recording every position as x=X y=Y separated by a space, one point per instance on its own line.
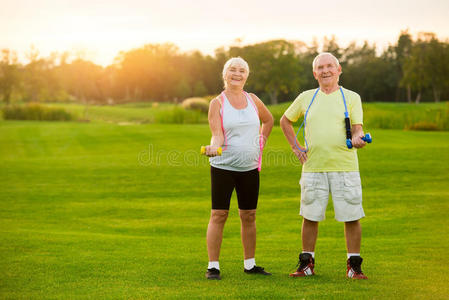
x=247 y=188
x=215 y=232
x=222 y=185
x=248 y=231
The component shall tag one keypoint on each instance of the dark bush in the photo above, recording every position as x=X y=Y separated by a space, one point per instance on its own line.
x=36 y=112
x=423 y=125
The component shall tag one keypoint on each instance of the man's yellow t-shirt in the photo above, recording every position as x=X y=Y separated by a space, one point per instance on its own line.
x=325 y=129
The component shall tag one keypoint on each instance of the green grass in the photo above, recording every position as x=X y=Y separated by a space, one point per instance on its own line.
x=384 y=115
x=85 y=212
x=133 y=113
x=425 y=116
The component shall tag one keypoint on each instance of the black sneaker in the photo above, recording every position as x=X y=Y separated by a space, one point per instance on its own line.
x=306 y=265
x=256 y=270
x=213 y=274
x=354 y=268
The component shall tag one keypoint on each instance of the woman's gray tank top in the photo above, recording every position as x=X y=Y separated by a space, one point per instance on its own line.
x=241 y=148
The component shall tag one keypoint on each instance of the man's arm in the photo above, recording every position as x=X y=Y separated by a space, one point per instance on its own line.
x=287 y=128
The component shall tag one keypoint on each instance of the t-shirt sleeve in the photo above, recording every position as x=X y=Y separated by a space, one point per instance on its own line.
x=294 y=111
x=356 y=114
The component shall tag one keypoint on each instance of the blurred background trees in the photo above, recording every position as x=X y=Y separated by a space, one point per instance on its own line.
x=412 y=70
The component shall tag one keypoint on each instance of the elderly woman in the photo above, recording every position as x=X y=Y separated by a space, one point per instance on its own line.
x=234 y=120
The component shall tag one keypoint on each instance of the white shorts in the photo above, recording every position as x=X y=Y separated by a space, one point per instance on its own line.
x=346 y=189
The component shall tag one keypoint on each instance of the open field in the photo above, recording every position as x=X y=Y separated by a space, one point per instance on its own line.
x=390 y=115
x=98 y=210
x=425 y=116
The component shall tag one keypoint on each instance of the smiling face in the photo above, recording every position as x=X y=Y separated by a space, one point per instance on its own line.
x=236 y=76
x=327 y=71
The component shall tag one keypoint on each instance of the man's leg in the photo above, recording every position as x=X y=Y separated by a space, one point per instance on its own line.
x=309 y=234
x=314 y=198
x=306 y=264
x=353 y=235
x=346 y=191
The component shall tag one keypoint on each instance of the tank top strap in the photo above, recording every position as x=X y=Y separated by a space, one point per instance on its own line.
x=221 y=99
x=222 y=102
x=250 y=100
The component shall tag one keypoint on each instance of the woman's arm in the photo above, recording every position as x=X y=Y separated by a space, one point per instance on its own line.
x=265 y=117
x=215 y=128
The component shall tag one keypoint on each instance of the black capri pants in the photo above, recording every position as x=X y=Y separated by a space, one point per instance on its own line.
x=245 y=183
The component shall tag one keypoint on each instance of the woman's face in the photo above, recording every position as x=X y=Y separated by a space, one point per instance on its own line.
x=236 y=76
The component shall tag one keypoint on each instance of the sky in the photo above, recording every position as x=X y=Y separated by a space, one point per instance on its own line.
x=98 y=30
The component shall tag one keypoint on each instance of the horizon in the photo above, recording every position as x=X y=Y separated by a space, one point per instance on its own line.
x=98 y=32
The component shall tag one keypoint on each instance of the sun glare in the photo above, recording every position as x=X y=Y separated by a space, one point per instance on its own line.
x=101 y=32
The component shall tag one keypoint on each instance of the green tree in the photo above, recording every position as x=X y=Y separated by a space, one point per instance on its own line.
x=331 y=45
x=182 y=89
x=199 y=89
x=149 y=72
x=306 y=57
x=421 y=68
x=9 y=75
x=437 y=66
x=41 y=78
x=402 y=52
x=368 y=74
x=274 y=68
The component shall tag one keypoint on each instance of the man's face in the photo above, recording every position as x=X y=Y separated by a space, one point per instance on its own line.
x=326 y=71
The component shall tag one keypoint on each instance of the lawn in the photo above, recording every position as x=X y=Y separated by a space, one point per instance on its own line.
x=425 y=116
x=137 y=113
x=98 y=210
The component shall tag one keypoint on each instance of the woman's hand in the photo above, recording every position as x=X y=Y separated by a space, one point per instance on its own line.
x=212 y=151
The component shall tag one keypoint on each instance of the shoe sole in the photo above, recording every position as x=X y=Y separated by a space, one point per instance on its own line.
x=300 y=275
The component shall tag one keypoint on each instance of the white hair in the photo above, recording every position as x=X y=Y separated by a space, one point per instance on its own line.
x=234 y=61
x=337 y=63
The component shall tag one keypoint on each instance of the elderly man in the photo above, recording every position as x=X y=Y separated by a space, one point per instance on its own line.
x=328 y=164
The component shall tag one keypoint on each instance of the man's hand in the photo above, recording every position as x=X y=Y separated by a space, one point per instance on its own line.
x=289 y=133
x=357 y=141
x=302 y=156
x=357 y=134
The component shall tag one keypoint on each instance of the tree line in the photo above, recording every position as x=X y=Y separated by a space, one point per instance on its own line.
x=411 y=70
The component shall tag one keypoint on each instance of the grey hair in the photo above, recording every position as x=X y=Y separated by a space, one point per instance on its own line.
x=234 y=61
x=337 y=63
